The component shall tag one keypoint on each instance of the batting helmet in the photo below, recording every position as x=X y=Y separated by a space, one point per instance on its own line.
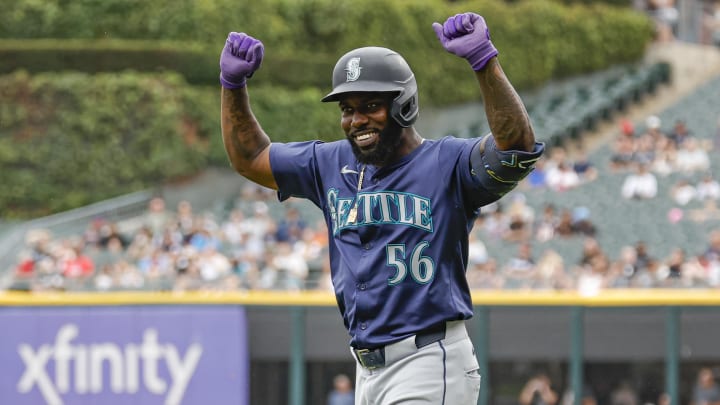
x=376 y=69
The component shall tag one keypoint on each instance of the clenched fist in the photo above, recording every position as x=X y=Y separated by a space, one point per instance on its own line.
x=467 y=36
x=240 y=58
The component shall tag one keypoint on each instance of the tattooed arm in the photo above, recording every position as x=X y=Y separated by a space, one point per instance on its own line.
x=247 y=145
x=467 y=36
x=505 y=111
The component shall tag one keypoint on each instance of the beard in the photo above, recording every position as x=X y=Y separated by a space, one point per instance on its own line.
x=385 y=149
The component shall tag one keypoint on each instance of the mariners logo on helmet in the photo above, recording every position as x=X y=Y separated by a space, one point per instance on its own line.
x=353 y=69
x=383 y=71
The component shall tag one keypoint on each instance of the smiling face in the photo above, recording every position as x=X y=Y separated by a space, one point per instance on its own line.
x=374 y=136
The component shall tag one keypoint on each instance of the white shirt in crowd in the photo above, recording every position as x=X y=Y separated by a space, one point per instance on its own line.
x=562 y=177
x=692 y=157
x=642 y=185
x=708 y=189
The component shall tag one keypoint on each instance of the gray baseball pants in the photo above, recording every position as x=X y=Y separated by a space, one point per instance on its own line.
x=442 y=373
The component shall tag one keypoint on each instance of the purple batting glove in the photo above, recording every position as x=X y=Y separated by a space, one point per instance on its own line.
x=240 y=58
x=467 y=36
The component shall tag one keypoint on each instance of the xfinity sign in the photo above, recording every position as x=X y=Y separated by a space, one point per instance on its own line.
x=136 y=355
x=85 y=364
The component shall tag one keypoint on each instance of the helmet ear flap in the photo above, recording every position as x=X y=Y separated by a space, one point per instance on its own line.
x=406 y=113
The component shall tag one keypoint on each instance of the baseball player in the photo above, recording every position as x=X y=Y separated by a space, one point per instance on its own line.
x=398 y=206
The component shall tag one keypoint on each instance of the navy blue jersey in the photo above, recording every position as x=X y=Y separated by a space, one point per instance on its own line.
x=399 y=267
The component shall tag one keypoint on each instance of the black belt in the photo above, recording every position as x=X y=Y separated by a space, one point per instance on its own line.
x=375 y=358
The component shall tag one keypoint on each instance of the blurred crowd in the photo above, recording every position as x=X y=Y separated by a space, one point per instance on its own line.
x=257 y=243
x=179 y=249
x=703 y=15
x=541 y=389
x=644 y=158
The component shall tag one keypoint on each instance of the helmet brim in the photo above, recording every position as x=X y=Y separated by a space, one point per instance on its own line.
x=361 y=87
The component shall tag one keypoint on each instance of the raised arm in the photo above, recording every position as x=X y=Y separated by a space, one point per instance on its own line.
x=247 y=145
x=467 y=35
x=505 y=111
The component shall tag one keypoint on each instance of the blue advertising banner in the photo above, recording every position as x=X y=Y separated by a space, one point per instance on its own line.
x=172 y=355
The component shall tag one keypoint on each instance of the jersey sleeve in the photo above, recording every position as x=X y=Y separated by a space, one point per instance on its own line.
x=499 y=171
x=294 y=167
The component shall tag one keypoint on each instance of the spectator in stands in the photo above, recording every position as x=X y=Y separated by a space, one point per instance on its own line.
x=710 y=23
x=594 y=274
x=185 y=219
x=519 y=271
x=234 y=232
x=664 y=399
x=682 y=192
x=262 y=229
x=647 y=276
x=640 y=185
x=564 y=227
x=643 y=257
x=708 y=188
x=520 y=217
x=537 y=179
x=269 y=274
x=342 y=392
x=477 y=251
x=679 y=133
x=109 y=230
x=591 y=249
x=673 y=271
x=25 y=269
x=245 y=269
x=623 y=153
x=291 y=265
x=692 y=157
x=37 y=250
x=653 y=128
x=156 y=217
x=538 y=391
x=644 y=149
x=128 y=276
x=627 y=128
x=584 y=168
x=486 y=276
x=47 y=275
x=104 y=280
x=562 y=177
x=624 y=394
x=75 y=265
x=703 y=272
x=587 y=393
x=706 y=390
x=168 y=240
x=141 y=245
x=546 y=224
x=665 y=156
x=203 y=238
x=494 y=222
x=712 y=251
x=624 y=268
x=666 y=17
x=313 y=246
x=91 y=235
x=213 y=265
x=550 y=271
x=581 y=222
x=290 y=228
